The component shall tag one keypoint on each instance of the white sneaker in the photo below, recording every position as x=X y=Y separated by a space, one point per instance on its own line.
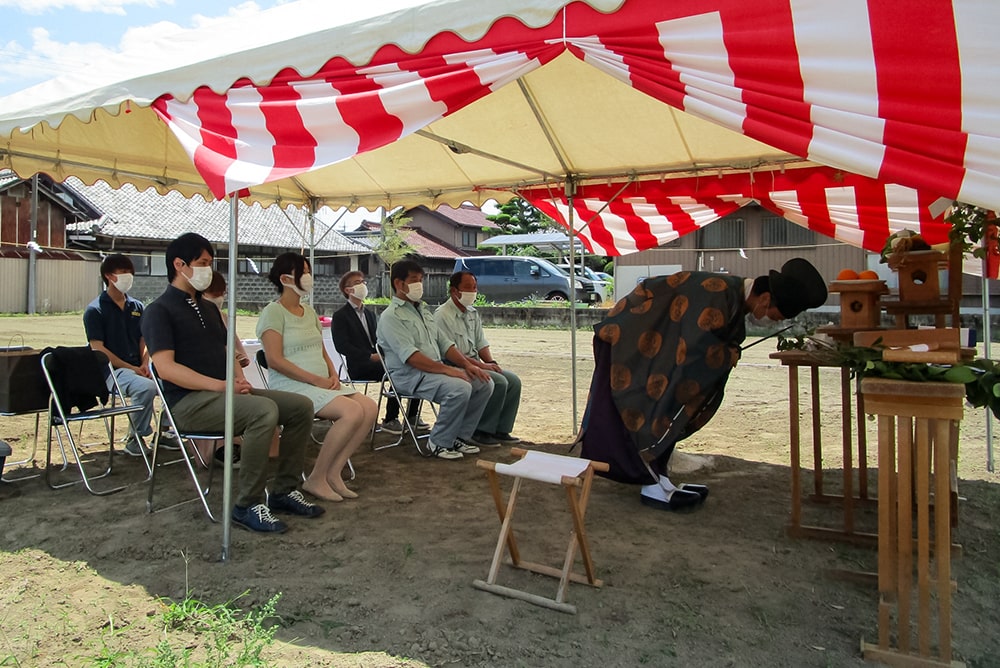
x=444 y=453
x=466 y=448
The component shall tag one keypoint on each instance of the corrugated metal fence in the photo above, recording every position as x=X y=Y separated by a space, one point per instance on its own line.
x=63 y=285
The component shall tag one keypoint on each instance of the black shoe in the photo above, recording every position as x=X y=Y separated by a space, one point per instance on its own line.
x=506 y=439
x=700 y=490
x=220 y=456
x=484 y=439
x=293 y=503
x=679 y=500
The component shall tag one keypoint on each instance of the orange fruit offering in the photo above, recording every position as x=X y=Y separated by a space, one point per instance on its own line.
x=868 y=275
x=847 y=275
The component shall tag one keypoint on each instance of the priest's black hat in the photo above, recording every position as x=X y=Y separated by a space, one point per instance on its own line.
x=797 y=287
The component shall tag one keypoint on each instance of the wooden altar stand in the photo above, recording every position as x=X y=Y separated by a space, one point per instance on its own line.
x=917 y=446
x=852 y=435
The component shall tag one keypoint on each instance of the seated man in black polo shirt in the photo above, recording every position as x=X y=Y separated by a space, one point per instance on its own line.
x=112 y=325
x=187 y=341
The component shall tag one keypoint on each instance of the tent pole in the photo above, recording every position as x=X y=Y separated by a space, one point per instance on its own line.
x=32 y=254
x=227 y=478
x=312 y=247
x=570 y=191
x=987 y=345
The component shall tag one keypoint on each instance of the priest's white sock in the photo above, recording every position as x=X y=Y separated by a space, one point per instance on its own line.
x=654 y=491
x=665 y=483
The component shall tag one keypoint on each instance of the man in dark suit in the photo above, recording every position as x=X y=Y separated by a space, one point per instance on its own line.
x=353 y=329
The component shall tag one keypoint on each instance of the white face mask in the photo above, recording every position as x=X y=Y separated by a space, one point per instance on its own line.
x=360 y=291
x=217 y=300
x=467 y=298
x=201 y=278
x=306 y=281
x=123 y=282
x=414 y=291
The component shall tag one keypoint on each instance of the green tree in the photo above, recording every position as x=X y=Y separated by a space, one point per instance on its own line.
x=517 y=216
x=392 y=246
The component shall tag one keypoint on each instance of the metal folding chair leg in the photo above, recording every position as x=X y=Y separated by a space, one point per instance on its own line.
x=29 y=459
x=188 y=445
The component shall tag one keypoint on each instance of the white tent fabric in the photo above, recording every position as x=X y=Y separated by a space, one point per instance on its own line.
x=421 y=106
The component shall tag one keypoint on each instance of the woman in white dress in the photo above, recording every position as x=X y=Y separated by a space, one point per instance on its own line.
x=298 y=362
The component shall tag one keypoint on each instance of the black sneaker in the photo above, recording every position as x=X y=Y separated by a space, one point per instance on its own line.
x=220 y=455
x=294 y=504
x=169 y=441
x=484 y=439
x=134 y=447
x=506 y=438
x=258 y=518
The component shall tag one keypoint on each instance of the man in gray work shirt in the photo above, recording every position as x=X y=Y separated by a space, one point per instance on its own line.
x=414 y=353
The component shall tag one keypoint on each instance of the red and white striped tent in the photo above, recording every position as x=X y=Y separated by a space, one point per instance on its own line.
x=459 y=100
x=621 y=218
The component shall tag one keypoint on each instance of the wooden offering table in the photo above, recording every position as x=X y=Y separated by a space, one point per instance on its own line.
x=793 y=359
x=917 y=446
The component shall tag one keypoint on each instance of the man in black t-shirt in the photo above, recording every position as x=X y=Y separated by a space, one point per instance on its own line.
x=187 y=342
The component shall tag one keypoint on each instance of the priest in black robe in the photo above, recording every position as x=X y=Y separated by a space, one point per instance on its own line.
x=662 y=358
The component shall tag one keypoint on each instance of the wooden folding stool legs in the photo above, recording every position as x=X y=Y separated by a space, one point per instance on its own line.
x=576 y=476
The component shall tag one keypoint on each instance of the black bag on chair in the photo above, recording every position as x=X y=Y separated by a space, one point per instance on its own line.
x=80 y=376
x=22 y=384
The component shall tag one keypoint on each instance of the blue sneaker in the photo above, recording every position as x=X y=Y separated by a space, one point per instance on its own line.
x=258 y=518
x=293 y=503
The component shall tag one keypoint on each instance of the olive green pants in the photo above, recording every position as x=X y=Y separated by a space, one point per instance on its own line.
x=255 y=417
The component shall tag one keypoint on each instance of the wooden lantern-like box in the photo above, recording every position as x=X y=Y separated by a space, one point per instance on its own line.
x=918 y=275
x=859 y=303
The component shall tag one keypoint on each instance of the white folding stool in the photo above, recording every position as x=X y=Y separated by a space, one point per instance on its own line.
x=575 y=475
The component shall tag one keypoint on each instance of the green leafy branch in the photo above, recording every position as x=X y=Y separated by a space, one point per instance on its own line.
x=981 y=377
x=968 y=227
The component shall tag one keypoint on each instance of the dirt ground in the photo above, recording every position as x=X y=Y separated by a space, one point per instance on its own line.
x=386 y=580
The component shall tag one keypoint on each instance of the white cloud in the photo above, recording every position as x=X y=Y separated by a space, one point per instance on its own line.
x=46 y=58
x=25 y=64
x=117 y=7
x=248 y=8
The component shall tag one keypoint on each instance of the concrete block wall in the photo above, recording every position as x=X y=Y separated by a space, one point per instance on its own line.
x=253 y=291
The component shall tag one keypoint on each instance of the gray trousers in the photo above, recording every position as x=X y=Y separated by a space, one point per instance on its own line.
x=461 y=405
x=139 y=390
x=256 y=416
x=501 y=409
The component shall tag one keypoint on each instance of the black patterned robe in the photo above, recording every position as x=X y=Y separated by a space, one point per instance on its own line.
x=662 y=358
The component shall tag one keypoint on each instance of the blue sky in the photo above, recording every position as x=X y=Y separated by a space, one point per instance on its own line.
x=40 y=39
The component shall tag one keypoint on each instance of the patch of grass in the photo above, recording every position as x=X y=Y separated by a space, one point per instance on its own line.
x=226 y=637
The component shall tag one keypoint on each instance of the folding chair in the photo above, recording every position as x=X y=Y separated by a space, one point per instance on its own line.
x=75 y=378
x=573 y=474
x=188 y=446
x=389 y=390
x=340 y=364
x=261 y=360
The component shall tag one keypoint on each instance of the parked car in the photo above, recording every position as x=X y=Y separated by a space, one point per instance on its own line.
x=509 y=278
x=591 y=281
